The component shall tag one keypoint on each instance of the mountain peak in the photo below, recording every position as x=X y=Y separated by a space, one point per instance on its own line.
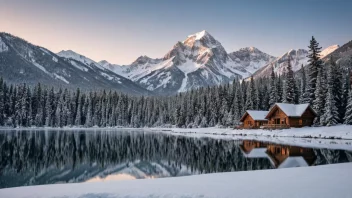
x=104 y=62
x=249 y=49
x=200 y=35
x=141 y=60
x=66 y=53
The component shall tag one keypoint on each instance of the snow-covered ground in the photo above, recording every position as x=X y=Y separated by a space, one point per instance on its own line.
x=333 y=132
x=314 y=182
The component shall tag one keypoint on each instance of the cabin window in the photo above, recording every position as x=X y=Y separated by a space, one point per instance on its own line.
x=283 y=152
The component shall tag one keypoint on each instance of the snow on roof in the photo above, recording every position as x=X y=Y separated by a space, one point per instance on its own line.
x=291 y=162
x=258 y=115
x=256 y=153
x=293 y=110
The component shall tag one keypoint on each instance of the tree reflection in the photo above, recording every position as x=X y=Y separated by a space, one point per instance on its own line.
x=44 y=157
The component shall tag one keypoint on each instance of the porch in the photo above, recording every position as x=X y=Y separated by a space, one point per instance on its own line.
x=275 y=126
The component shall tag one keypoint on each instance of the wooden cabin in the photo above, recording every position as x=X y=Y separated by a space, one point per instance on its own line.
x=254 y=119
x=283 y=115
x=290 y=156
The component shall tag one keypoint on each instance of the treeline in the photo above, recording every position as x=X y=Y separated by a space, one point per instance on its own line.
x=326 y=86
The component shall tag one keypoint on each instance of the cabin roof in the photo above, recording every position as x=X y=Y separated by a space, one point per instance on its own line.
x=256 y=115
x=291 y=110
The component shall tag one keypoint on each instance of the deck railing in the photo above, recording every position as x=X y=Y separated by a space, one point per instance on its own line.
x=275 y=126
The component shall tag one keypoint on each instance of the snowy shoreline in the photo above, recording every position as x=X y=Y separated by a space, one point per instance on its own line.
x=314 y=182
x=333 y=132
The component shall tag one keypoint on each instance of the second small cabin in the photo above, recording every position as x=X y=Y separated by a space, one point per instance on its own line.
x=254 y=119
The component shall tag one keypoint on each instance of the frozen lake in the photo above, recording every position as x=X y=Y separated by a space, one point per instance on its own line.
x=36 y=157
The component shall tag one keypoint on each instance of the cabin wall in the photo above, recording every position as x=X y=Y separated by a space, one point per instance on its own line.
x=307 y=118
x=249 y=122
x=278 y=116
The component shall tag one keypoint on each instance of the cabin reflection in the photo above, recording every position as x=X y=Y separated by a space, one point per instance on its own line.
x=280 y=156
x=254 y=149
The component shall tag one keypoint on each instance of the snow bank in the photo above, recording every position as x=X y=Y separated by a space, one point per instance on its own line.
x=313 y=182
x=333 y=132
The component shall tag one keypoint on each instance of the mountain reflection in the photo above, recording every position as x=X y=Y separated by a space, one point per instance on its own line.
x=47 y=157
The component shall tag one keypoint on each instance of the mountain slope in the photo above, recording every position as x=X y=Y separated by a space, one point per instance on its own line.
x=298 y=58
x=343 y=55
x=328 y=50
x=198 y=61
x=251 y=58
x=22 y=62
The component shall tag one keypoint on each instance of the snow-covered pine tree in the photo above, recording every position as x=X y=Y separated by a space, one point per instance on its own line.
x=348 y=113
x=58 y=112
x=49 y=106
x=251 y=96
x=279 y=86
x=39 y=117
x=337 y=89
x=89 y=116
x=344 y=94
x=304 y=96
x=289 y=88
x=272 y=89
x=78 y=118
x=224 y=111
x=2 y=103
x=331 y=114
x=318 y=102
x=314 y=64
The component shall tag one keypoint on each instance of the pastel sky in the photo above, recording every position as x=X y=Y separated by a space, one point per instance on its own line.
x=121 y=30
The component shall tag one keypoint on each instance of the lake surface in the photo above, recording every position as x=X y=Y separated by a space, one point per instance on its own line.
x=59 y=156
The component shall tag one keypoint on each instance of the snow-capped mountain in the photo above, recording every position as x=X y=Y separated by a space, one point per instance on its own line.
x=69 y=54
x=251 y=59
x=342 y=55
x=22 y=62
x=198 y=61
x=328 y=50
x=298 y=58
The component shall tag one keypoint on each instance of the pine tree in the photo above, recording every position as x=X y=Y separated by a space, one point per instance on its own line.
x=331 y=114
x=344 y=94
x=337 y=87
x=2 y=102
x=78 y=114
x=273 y=90
x=348 y=113
x=314 y=64
x=304 y=96
x=318 y=103
x=289 y=84
x=279 y=89
x=49 y=106
x=251 y=96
